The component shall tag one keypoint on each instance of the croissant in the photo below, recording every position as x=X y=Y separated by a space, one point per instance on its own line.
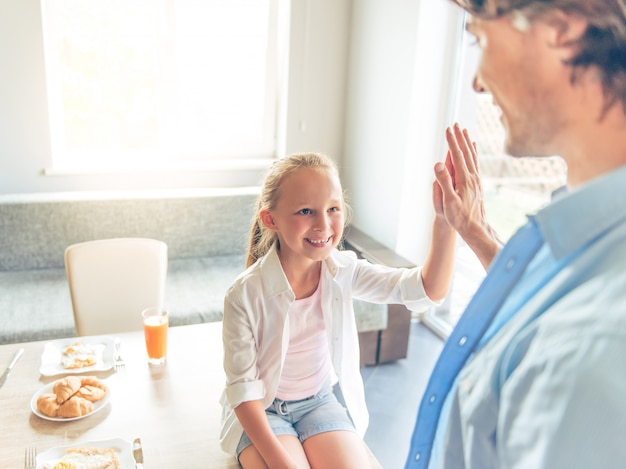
x=47 y=404
x=92 y=389
x=93 y=381
x=66 y=388
x=75 y=407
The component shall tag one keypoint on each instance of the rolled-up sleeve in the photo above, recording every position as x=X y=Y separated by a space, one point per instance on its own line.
x=240 y=353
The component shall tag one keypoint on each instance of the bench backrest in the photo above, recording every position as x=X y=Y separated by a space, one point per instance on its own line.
x=35 y=229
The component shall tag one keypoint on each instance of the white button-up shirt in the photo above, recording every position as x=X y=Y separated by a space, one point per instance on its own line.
x=256 y=328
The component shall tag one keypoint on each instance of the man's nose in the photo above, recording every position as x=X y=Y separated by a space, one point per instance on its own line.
x=478 y=85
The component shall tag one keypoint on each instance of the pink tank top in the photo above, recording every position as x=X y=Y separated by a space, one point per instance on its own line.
x=307 y=363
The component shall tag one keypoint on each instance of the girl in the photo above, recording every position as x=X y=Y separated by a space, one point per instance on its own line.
x=289 y=329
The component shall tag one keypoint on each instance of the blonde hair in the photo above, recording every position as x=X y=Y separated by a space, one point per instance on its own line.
x=261 y=238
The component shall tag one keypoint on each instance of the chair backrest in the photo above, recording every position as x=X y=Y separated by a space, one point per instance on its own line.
x=113 y=280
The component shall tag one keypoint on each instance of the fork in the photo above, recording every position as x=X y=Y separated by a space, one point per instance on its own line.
x=30 y=458
x=120 y=366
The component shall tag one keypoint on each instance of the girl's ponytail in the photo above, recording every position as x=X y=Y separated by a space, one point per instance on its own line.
x=253 y=246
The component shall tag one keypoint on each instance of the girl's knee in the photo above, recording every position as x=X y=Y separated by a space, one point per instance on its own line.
x=341 y=449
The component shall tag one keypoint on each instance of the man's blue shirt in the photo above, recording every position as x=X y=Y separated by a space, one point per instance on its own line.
x=548 y=367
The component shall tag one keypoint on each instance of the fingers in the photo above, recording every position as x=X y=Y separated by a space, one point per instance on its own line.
x=469 y=150
x=450 y=167
x=438 y=199
x=475 y=155
x=455 y=153
x=462 y=152
x=443 y=181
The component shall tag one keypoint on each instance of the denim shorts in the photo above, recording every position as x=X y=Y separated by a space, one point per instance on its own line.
x=305 y=418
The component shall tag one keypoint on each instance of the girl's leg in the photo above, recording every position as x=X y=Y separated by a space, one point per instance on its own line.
x=251 y=459
x=336 y=449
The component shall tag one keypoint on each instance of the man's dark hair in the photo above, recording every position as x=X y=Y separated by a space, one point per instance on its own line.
x=603 y=45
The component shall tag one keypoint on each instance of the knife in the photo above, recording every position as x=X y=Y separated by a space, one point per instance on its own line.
x=138 y=453
x=16 y=357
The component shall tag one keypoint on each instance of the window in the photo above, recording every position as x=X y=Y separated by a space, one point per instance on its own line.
x=161 y=83
x=512 y=187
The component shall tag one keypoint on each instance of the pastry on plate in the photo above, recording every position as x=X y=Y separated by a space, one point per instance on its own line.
x=47 y=404
x=75 y=407
x=72 y=396
x=92 y=389
x=66 y=388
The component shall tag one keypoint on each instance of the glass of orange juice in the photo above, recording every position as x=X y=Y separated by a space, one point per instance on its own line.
x=155 y=324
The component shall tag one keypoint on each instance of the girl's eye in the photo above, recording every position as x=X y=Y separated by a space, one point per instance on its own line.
x=334 y=209
x=305 y=211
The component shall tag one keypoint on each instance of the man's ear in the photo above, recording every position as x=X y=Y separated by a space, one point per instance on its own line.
x=569 y=27
x=268 y=220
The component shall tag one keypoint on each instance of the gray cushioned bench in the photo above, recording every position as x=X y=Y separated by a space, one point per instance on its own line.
x=206 y=232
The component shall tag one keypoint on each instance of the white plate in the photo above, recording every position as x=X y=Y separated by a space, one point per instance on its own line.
x=97 y=406
x=53 y=354
x=121 y=447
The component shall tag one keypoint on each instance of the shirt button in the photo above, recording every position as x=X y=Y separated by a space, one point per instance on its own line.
x=418 y=456
x=432 y=399
x=462 y=341
x=466 y=385
x=510 y=263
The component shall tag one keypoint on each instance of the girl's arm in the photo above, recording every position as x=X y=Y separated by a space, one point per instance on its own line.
x=243 y=381
x=439 y=265
x=252 y=417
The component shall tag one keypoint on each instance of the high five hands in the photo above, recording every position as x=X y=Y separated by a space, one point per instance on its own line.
x=458 y=195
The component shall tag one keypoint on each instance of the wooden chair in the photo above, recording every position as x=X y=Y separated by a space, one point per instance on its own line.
x=113 y=280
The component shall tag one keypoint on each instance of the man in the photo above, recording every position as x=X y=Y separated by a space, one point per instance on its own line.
x=534 y=374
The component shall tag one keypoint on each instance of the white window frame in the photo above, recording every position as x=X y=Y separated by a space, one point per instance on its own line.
x=250 y=155
x=469 y=273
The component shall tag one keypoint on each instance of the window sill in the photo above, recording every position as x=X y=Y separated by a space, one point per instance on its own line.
x=187 y=167
x=131 y=194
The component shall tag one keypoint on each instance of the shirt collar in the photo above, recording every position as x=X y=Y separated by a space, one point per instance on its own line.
x=576 y=217
x=274 y=278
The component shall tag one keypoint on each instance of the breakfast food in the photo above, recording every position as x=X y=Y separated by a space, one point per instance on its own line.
x=66 y=388
x=62 y=465
x=72 y=396
x=47 y=404
x=79 y=355
x=75 y=406
x=86 y=458
x=92 y=389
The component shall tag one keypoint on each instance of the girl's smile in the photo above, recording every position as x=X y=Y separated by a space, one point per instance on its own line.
x=318 y=242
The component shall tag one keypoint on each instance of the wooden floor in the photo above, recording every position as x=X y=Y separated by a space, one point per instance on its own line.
x=393 y=392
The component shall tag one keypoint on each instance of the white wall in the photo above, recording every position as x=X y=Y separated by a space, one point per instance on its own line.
x=318 y=58
x=379 y=91
x=399 y=90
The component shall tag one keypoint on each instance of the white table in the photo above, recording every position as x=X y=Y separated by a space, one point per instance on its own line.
x=175 y=409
